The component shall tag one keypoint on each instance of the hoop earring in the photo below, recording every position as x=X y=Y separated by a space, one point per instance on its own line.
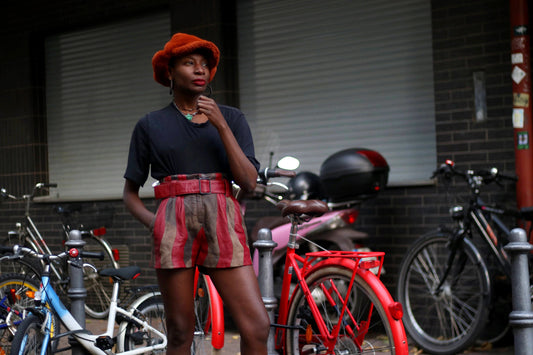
x=171 y=90
x=208 y=91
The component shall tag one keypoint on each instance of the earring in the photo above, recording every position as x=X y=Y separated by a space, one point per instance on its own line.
x=171 y=91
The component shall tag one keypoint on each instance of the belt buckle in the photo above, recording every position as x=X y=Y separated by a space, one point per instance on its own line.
x=200 y=187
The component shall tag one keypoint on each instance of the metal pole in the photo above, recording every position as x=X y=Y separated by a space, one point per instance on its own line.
x=265 y=277
x=521 y=317
x=522 y=110
x=76 y=292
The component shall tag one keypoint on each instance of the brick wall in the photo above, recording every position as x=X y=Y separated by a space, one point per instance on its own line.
x=467 y=37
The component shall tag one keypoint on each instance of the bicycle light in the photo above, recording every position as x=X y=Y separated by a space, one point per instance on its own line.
x=116 y=254
x=99 y=231
x=457 y=212
x=396 y=310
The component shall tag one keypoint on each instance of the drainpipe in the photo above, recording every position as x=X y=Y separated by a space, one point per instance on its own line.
x=522 y=124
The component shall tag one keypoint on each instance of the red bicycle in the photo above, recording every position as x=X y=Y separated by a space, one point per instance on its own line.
x=332 y=302
x=338 y=304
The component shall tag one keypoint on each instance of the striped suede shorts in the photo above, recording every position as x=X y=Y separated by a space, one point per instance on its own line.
x=200 y=229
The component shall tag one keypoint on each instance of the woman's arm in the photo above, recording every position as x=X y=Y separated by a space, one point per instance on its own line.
x=134 y=204
x=242 y=169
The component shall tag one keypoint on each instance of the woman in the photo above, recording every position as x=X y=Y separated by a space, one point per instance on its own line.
x=194 y=147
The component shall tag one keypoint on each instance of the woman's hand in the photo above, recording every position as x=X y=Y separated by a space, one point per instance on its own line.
x=135 y=205
x=209 y=107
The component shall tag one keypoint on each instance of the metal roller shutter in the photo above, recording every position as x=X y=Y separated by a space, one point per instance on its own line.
x=320 y=76
x=99 y=83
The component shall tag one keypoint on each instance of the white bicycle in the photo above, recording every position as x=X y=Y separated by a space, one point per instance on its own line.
x=141 y=328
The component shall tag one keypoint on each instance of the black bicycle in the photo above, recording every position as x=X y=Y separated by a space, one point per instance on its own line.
x=453 y=290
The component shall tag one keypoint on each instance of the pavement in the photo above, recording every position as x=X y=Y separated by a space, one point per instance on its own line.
x=232 y=340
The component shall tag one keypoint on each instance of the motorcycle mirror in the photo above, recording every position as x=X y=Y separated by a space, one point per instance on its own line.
x=288 y=163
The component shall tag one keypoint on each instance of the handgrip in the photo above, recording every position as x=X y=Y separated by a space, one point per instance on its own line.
x=270 y=173
x=5 y=249
x=92 y=255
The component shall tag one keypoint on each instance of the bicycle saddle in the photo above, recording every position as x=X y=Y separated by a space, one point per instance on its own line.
x=298 y=208
x=124 y=273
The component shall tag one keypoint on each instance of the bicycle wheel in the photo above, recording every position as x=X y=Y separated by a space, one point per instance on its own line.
x=29 y=338
x=99 y=289
x=449 y=320
x=153 y=312
x=16 y=293
x=370 y=334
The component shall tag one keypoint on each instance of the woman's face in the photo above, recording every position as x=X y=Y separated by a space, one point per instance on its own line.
x=190 y=73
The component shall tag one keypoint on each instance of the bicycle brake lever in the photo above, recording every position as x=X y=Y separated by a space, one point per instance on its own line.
x=90 y=266
x=76 y=263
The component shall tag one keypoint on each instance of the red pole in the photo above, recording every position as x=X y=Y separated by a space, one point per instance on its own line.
x=521 y=78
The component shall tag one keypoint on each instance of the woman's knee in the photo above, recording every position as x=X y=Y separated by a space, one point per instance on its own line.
x=179 y=332
x=257 y=330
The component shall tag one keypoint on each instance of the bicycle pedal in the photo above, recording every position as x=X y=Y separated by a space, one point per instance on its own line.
x=104 y=342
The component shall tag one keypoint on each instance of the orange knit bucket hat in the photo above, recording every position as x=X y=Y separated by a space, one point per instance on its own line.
x=181 y=44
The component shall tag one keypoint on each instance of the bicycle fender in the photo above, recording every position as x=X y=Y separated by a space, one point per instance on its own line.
x=380 y=291
x=217 y=315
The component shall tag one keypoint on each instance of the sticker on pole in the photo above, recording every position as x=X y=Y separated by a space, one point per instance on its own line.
x=517 y=58
x=518 y=74
x=522 y=140
x=518 y=118
x=520 y=100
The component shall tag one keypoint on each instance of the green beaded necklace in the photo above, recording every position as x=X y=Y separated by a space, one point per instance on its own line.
x=188 y=116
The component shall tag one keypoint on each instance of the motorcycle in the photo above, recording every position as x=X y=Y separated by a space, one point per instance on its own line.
x=347 y=178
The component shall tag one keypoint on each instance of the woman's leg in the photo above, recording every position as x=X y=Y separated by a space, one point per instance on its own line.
x=176 y=287
x=239 y=290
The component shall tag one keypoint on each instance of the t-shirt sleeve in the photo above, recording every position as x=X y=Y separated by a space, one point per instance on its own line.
x=243 y=135
x=138 y=166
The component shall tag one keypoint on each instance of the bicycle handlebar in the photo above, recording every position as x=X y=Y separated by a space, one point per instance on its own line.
x=267 y=173
x=19 y=251
x=41 y=185
x=475 y=177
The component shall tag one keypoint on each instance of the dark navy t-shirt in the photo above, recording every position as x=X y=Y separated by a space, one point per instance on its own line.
x=170 y=144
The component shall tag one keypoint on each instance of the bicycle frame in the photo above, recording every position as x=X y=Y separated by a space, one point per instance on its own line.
x=36 y=240
x=487 y=233
x=490 y=237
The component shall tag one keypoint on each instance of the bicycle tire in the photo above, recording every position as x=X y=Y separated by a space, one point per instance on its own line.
x=153 y=312
x=99 y=289
x=29 y=339
x=427 y=317
x=379 y=336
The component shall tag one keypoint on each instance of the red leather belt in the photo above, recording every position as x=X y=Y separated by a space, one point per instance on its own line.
x=193 y=186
